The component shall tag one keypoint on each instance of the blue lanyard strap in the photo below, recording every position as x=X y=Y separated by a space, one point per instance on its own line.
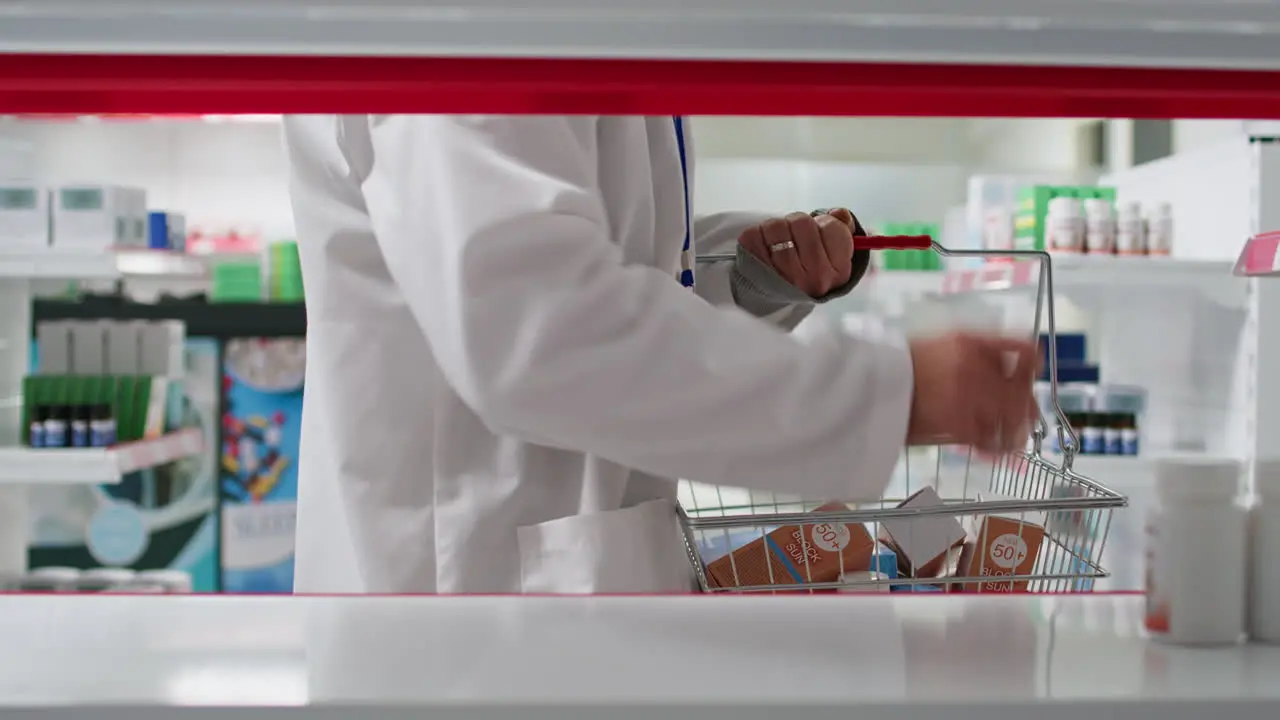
x=686 y=271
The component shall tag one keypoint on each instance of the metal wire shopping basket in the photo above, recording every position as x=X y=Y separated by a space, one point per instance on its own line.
x=1024 y=522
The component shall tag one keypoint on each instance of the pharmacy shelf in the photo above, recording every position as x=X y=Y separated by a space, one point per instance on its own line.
x=1094 y=272
x=1259 y=258
x=871 y=657
x=1190 y=33
x=103 y=266
x=47 y=466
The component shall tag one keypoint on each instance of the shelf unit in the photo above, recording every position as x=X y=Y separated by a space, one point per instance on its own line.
x=26 y=466
x=1095 y=273
x=106 y=266
x=21 y=467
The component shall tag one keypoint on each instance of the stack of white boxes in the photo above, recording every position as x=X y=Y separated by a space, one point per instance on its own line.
x=24 y=206
x=112 y=347
x=83 y=219
x=120 y=347
x=97 y=218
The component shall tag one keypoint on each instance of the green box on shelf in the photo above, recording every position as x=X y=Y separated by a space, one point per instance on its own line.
x=887 y=260
x=1033 y=208
x=1096 y=192
x=917 y=260
x=128 y=396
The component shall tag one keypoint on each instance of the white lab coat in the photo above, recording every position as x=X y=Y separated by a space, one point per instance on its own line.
x=504 y=374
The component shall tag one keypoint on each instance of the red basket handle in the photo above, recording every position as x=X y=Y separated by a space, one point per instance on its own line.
x=893 y=242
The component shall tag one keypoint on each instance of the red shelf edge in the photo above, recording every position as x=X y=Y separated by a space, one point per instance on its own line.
x=88 y=84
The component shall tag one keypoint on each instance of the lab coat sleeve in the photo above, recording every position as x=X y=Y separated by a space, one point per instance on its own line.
x=749 y=283
x=494 y=232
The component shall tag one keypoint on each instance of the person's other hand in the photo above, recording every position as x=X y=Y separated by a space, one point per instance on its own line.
x=973 y=389
x=813 y=253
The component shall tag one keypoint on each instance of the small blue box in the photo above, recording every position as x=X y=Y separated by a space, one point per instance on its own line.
x=1071 y=348
x=915 y=588
x=885 y=561
x=1088 y=374
x=715 y=544
x=166 y=231
x=158 y=231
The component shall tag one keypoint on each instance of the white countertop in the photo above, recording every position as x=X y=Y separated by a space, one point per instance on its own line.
x=916 y=657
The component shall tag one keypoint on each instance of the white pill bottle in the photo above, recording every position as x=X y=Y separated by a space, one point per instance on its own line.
x=1264 y=554
x=1064 y=226
x=1196 y=562
x=1160 y=230
x=1099 y=226
x=1131 y=230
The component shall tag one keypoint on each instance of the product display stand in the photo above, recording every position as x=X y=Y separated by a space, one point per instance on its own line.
x=870 y=657
x=20 y=467
x=1258 y=260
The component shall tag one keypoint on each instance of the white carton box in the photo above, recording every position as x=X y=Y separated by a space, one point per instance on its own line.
x=53 y=339
x=24 y=218
x=138 y=234
x=124 y=347
x=93 y=218
x=88 y=347
x=164 y=349
x=177 y=226
x=922 y=542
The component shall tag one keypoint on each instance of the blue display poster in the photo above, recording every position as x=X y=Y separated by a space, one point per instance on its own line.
x=261 y=423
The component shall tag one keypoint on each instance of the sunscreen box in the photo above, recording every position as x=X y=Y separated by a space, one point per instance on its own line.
x=816 y=552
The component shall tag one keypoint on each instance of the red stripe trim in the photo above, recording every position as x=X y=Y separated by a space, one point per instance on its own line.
x=89 y=84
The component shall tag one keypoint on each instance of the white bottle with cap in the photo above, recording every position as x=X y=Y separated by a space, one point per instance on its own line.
x=107 y=577
x=1196 y=564
x=173 y=581
x=997 y=229
x=1099 y=226
x=1264 y=554
x=1064 y=226
x=1131 y=230
x=1160 y=230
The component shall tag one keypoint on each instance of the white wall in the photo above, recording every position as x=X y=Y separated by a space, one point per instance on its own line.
x=1028 y=145
x=231 y=175
x=876 y=192
x=929 y=141
x=218 y=174
x=1193 y=134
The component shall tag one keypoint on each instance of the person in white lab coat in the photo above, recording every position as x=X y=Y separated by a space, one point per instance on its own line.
x=512 y=357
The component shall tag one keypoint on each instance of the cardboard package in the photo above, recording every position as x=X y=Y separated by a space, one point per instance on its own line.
x=922 y=543
x=785 y=550
x=1001 y=546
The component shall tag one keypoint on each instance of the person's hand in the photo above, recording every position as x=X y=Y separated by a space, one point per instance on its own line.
x=813 y=253
x=973 y=389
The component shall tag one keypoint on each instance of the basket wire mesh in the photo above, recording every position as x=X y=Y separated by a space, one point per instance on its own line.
x=1050 y=528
